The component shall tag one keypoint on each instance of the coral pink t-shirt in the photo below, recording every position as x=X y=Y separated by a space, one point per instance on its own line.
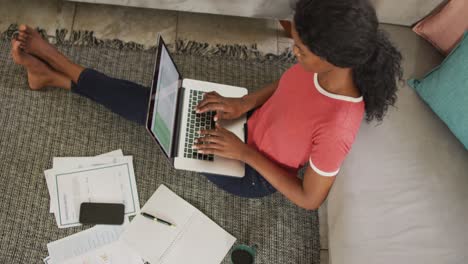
x=302 y=122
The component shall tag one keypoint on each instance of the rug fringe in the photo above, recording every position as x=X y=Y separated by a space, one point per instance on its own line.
x=185 y=47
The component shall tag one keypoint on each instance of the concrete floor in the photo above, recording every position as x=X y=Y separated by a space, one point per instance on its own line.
x=142 y=26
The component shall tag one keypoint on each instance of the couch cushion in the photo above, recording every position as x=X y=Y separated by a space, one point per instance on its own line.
x=281 y=9
x=401 y=196
x=445 y=89
x=445 y=28
x=404 y=12
x=388 y=11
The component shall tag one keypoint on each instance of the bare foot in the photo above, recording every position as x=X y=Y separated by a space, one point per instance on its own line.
x=32 y=42
x=39 y=74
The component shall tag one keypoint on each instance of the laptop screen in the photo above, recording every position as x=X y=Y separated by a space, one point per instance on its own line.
x=164 y=100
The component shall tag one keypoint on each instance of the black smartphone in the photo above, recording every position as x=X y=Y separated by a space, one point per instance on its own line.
x=102 y=213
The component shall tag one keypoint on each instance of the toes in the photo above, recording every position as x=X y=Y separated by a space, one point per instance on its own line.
x=16 y=52
x=16 y=45
x=23 y=35
x=18 y=48
x=23 y=28
x=26 y=29
x=21 y=39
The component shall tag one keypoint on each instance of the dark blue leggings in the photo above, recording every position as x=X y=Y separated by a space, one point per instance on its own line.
x=130 y=100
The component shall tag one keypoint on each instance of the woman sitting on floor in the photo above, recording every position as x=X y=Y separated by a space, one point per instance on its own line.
x=347 y=69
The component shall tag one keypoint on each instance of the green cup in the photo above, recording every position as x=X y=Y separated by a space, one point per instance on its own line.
x=243 y=254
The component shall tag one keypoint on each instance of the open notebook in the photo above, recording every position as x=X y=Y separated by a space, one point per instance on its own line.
x=194 y=239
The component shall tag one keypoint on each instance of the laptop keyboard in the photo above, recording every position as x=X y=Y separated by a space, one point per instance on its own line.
x=195 y=123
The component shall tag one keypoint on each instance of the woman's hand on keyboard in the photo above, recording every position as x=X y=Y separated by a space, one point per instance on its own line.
x=221 y=142
x=226 y=108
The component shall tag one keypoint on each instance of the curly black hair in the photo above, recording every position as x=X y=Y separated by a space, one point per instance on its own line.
x=346 y=33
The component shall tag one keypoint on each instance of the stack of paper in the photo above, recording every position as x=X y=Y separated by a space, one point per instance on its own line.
x=108 y=178
x=97 y=245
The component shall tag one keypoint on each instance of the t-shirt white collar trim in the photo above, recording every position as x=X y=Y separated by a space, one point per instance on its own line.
x=335 y=96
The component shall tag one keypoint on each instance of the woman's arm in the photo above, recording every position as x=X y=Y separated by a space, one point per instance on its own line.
x=308 y=193
x=233 y=108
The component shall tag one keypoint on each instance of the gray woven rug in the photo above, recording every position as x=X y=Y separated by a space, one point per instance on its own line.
x=36 y=126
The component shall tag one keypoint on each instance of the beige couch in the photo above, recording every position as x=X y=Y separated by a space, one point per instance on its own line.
x=400 y=12
x=402 y=193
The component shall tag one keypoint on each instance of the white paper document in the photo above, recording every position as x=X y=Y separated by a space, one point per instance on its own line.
x=97 y=245
x=83 y=242
x=61 y=164
x=195 y=238
x=76 y=163
x=114 y=253
x=107 y=178
x=111 y=183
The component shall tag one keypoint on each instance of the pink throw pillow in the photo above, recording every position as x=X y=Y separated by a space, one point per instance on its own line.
x=445 y=27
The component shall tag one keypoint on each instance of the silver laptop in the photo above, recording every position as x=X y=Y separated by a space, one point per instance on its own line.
x=173 y=123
